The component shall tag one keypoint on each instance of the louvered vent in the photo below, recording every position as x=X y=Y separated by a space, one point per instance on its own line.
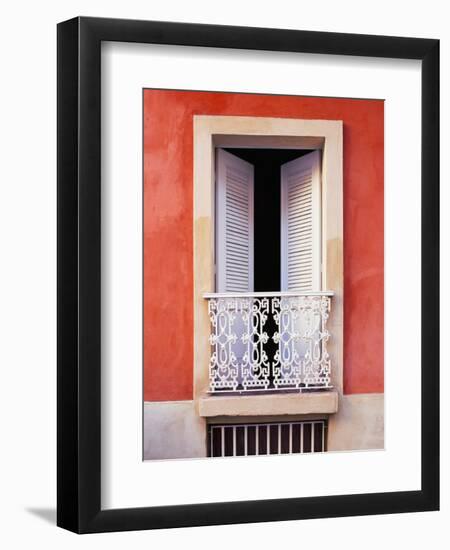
x=267 y=439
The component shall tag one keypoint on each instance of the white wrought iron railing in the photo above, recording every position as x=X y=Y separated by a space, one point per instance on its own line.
x=269 y=341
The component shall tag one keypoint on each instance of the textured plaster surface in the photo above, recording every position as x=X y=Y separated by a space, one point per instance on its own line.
x=169 y=293
x=358 y=424
x=173 y=430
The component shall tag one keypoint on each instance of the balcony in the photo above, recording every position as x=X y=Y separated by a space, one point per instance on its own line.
x=269 y=342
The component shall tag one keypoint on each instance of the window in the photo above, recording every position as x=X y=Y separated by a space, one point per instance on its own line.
x=268 y=326
x=268 y=219
x=292 y=211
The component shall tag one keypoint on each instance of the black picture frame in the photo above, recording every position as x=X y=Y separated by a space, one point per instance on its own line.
x=79 y=280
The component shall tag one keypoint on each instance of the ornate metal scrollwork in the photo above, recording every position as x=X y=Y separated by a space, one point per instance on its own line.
x=239 y=341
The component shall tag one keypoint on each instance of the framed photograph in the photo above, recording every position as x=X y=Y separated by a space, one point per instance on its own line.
x=248 y=292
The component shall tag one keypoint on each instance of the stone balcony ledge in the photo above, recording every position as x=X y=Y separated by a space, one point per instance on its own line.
x=269 y=404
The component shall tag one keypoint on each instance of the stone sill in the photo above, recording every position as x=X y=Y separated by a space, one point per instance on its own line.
x=324 y=402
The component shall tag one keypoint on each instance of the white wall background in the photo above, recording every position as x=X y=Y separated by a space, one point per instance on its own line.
x=28 y=267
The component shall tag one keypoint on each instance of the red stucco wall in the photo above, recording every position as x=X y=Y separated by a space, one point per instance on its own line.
x=168 y=230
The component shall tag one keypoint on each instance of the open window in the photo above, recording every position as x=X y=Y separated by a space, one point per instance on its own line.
x=268 y=220
x=280 y=327
x=268 y=313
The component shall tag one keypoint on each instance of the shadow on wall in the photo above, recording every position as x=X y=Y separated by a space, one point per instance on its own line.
x=46 y=514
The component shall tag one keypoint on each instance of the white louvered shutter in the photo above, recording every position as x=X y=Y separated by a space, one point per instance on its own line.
x=234 y=211
x=301 y=224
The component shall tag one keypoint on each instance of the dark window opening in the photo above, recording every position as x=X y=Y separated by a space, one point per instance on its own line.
x=267 y=212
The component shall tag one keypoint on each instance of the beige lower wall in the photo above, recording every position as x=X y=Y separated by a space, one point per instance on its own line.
x=358 y=424
x=173 y=430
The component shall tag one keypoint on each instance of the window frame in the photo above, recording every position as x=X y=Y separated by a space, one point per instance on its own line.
x=211 y=132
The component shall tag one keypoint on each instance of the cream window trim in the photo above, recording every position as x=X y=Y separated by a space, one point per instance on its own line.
x=211 y=132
